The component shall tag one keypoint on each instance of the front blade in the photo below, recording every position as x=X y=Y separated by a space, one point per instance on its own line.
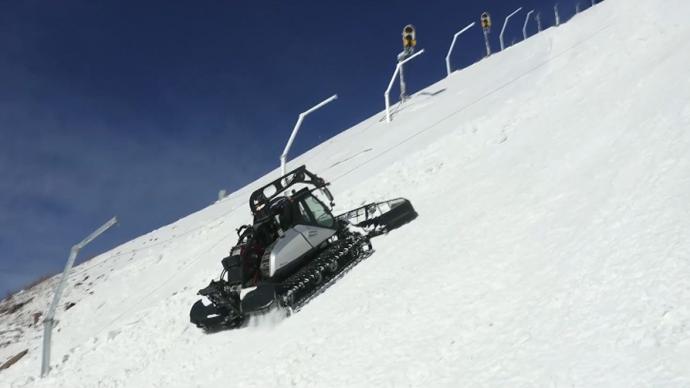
x=206 y=316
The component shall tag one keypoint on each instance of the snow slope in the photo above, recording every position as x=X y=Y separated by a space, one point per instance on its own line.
x=552 y=246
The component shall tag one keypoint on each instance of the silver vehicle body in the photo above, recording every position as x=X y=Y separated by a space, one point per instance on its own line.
x=315 y=226
x=293 y=245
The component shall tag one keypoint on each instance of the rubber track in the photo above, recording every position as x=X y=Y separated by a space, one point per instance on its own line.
x=348 y=252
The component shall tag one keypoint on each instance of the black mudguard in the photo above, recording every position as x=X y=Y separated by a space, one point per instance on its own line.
x=260 y=299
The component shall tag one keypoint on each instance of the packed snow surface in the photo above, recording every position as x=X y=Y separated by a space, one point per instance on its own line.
x=552 y=246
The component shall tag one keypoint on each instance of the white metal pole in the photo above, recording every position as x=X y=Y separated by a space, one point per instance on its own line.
x=557 y=16
x=505 y=22
x=538 y=17
x=486 y=41
x=524 y=26
x=48 y=322
x=386 y=95
x=300 y=119
x=577 y=8
x=403 y=86
x=450 y=50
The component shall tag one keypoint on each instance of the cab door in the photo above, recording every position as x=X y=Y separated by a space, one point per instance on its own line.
x=319 y=224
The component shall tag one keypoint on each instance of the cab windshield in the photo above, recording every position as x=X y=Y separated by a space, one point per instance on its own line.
x=322 y=217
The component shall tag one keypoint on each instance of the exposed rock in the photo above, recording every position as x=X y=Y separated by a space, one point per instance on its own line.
x=17 y=306
x=14 y=359
x=36 y=317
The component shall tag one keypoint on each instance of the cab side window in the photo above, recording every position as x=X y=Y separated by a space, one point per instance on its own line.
x=305 y=216
x=321 y=215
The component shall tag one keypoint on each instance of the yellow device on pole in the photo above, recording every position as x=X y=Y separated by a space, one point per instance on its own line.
x=409 y=37
x=486 y=21
x=486 y=26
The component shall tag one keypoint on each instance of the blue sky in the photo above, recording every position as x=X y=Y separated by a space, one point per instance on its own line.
x=145 y=110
